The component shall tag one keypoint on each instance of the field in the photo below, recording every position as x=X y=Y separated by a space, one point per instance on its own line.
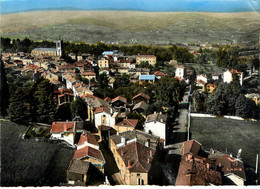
x=132 y=27
x=229 y=136
x=31 y=163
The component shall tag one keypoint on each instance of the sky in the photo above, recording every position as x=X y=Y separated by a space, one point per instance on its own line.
x=9 y=6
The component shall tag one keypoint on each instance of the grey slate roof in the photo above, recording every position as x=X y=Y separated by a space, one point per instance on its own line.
x=44 y=49
x=156 y=117
x=141 y=105
x=78 y=166
x=141 y=137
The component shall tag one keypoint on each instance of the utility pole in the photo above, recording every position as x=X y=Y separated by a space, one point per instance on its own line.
x=256 y=169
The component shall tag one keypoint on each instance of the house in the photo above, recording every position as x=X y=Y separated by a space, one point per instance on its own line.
x=140 y=97
x=91 y=155
x=70 y=80
x=136 y=72
x=103 y=63
x=180 y=71
x=159 y=74
x=233 y=169
x=87 y=139
x=215 y=76
x=64 y=131
x=232 y=74
x=134 y=152
x=89 y=75
x=146 y=79
x=191 y=147
x=126 y=125
x=200 y=85
x=202 y=77
x=50 y=76
x=65 y=97
x=209 y=87
x=156 y=124
x=140 y=107
x=105 y=116
x=196 y=169
x=151 y=59
x=93 y=102
x=66 y=68
x=78 y=172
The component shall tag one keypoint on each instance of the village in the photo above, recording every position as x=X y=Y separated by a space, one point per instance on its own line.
x=125 y=137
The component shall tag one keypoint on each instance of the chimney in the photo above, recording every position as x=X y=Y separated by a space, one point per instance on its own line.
x=161 y=120
x=208 y=166
x=151 y=153
x=148 y=161
x=123 y=140
x=160 y=113
x=122 y=153
x=128 y=163
x=154 y=112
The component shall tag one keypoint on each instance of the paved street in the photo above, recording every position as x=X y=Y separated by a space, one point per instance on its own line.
x=178 y=135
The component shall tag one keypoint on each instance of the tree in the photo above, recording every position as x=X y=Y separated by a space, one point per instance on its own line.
x=64 y=112
x=78 y=108
x=121 y=80
x=4 y=91
x=43 y=107
x=18 y=110
x=169 y=90
x=245 y=108
x=103 y=89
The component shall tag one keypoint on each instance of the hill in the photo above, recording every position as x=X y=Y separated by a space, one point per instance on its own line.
x=133 y=27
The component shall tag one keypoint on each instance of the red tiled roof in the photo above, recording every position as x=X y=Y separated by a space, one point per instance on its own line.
x=128 y=123
x=102 y=109
x=191 y=146
x=34 y=66
x=58 y=127
x=71 y=94
x=231 y=165
x=200 y=81
x=180 y=79
x=143 y=95
x=108 y=99
x=88 y=152
x=120 y=98
x=137 y=157
x=233 y=71
x=181 y=66
x=88 y=74
x=88 y=137
x=159 y=73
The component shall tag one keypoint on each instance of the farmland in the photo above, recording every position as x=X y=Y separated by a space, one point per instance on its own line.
x=126 y=27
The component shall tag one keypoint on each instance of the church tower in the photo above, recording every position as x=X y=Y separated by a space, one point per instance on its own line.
x=59 y=47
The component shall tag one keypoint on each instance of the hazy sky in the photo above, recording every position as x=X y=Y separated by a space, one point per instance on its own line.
x=145 y=5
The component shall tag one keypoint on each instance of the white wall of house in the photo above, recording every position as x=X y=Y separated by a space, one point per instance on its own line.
x=236 y=179
x=109 y=120
x=202 y=78
x=61 y=136
x=157 y=129
x=87 y=144
x=227 y=77
x=180 y=72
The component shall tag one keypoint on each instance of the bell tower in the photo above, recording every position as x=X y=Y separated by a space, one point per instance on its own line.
x=59 y=47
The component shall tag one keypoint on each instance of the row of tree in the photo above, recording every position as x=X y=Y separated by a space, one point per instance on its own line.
x=227 y=99
x=181 y=54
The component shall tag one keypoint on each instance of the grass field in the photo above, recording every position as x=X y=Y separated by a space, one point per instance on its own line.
x=229 y=135
x=31 y=163
x=132 y=27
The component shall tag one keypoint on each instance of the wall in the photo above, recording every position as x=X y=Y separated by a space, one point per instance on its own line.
x=157 y=128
